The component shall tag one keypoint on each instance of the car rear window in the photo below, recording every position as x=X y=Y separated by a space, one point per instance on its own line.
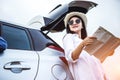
x=40 y=40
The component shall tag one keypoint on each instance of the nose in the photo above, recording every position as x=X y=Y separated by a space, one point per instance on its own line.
x=74 y=22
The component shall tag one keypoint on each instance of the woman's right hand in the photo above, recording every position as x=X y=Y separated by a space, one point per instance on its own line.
x=88 y=40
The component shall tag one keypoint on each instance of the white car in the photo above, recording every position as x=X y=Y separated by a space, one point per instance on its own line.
x=31 y=55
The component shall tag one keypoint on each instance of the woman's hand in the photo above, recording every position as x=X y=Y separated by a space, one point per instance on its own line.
x=88 y=40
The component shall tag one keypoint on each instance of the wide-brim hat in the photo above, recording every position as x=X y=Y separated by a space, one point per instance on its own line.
x=79 y=14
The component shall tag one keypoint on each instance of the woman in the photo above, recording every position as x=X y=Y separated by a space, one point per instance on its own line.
x=82 y=65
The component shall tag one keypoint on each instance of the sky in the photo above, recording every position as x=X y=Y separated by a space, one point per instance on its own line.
x=106 y=14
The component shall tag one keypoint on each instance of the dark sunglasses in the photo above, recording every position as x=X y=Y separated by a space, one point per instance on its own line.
x=77 y=21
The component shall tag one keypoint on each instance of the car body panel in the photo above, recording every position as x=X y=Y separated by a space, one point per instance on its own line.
x=56 y=68
x=18 y=65
x=31 y=55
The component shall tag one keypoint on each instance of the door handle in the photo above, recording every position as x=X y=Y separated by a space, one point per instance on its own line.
x=16 y=66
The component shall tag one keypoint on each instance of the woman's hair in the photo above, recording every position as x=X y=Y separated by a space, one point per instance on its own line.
x=83 y=30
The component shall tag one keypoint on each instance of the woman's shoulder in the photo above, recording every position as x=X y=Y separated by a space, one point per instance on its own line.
x=69 y=35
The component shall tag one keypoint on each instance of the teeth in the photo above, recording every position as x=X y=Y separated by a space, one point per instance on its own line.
x=75 y=26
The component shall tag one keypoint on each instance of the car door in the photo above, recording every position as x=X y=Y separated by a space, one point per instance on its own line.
x=19 y=61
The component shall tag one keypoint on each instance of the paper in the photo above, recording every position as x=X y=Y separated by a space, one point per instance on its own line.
x=105 y=44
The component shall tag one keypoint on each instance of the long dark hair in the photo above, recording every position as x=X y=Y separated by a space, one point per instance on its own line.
x=83 y=30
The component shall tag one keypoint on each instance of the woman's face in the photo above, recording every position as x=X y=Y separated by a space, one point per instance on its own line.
x=75 y=24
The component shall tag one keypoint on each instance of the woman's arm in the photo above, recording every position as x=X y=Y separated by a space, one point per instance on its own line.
x=77 y=51
x=85 y=42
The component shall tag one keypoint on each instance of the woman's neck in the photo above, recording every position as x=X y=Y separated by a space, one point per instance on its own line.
x=79 y=34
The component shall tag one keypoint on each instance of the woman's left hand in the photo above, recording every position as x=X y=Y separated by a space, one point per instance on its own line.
x=88 y=40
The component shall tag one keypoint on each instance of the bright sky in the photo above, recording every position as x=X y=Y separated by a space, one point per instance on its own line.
x=106 y=14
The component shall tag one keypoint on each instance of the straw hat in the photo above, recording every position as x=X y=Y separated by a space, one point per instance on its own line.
x=81 y=15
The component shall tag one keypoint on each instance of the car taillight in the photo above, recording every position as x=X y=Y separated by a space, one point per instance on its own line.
x=61 y=50
x=56 y=48
x=64 y=60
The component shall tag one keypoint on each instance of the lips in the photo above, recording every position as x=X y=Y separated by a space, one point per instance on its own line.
x=75 y=27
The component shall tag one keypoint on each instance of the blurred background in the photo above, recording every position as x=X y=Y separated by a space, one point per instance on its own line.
x=106 y=14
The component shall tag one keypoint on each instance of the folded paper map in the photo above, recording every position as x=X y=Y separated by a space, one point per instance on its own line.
x=105 y=44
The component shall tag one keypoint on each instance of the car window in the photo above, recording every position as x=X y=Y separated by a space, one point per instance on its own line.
x=40 y=40
x=16 y=37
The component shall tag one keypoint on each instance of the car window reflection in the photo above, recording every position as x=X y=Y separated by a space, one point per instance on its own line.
x=16 y=38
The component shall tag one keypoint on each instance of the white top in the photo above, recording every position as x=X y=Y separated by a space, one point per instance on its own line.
x=87 y=67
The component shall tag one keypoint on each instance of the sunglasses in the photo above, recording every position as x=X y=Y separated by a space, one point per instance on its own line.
x=77 y=21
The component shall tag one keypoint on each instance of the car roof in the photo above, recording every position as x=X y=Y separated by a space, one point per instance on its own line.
x=13 y=23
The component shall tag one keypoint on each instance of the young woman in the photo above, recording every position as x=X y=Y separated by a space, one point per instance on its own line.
x=82 y=65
